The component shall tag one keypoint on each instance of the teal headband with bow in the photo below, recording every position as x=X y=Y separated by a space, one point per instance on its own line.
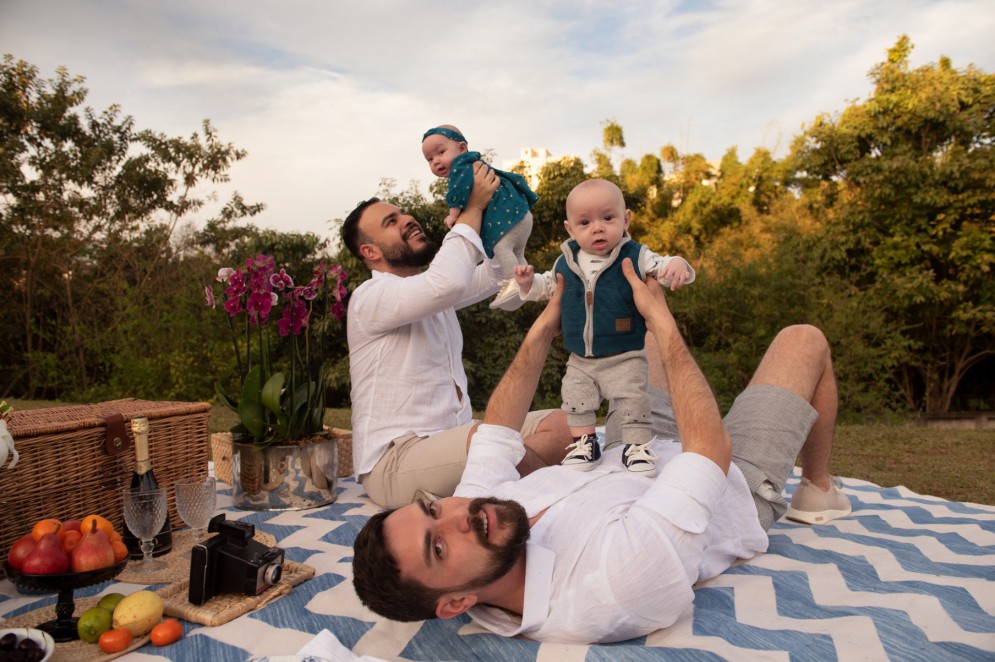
x=443 y=131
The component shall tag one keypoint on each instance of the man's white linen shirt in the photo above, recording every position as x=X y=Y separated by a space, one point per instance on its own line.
x=616 y=554
x=406 y=348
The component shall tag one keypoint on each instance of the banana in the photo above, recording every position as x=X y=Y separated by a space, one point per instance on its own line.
x=139 y=612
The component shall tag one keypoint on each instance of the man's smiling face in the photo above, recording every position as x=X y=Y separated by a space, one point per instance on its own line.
x=398 y=235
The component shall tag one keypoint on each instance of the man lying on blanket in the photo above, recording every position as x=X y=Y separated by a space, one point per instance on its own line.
x=608 y=555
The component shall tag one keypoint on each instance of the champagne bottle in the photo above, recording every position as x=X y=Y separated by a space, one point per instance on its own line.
x=143 y=480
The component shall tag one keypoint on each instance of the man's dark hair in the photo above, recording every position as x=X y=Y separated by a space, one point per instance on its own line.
x=351 y=235
x=377 y=579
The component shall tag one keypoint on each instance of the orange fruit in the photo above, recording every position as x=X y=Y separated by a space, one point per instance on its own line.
x=70 y=540
x=166 y=632
x=114 y=536
x=44 y=526
x=115 y=641
x=120 y=551
x=102 y=524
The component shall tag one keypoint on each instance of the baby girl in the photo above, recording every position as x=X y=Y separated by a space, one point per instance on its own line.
x=507 y=221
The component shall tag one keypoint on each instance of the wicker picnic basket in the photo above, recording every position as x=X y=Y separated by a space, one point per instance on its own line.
x=76 y=460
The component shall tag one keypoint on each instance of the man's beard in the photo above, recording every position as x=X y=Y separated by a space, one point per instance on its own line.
x=503 y=556
x=403 y=255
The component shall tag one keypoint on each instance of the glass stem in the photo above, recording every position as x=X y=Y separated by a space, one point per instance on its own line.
x=147 y=547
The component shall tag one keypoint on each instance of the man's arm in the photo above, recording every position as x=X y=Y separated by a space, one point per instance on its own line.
x=496 y=448
x=512 y=398
x=695 y=409
x=384 y=303
x=454 y=279
x=485 y=182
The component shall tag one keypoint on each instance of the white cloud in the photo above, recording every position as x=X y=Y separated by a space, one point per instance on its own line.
x=329 y=97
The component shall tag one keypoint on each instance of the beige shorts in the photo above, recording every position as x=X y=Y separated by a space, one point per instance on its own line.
x=433 y=464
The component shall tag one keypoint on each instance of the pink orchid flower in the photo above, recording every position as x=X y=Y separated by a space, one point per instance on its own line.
x=294 y=319
x=281 y=281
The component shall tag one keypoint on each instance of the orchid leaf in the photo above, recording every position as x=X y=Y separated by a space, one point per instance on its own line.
x=252 y=386
x=271 y=393
x=316 y=414
x=298 y=408
x=282 y=426
x=250 y=409
x=223 y=397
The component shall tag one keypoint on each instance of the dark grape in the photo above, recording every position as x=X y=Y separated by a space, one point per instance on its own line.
x=25 y=650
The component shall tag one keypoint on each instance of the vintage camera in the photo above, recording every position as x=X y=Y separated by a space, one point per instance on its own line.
x=232 y=562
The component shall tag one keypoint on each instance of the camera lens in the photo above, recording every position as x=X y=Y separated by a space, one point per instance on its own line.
x=272 y=573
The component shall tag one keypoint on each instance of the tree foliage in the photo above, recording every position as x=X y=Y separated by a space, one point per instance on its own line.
x=905 y=180
x=89 y=205
x=878 y=227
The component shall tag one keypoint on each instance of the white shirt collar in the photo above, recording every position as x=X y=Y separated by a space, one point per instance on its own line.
x=539 y=563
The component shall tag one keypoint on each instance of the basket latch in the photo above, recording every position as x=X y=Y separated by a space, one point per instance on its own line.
x=117 y=440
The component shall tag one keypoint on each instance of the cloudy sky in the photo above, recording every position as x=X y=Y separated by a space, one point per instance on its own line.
x=329 y=97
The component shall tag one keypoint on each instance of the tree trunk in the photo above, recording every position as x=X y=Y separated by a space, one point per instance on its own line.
x=943 y=378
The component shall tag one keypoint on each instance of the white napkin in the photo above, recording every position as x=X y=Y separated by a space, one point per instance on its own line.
x=326 y=645
x=7 y=445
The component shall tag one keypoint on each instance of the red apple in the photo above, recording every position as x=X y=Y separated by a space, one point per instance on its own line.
x=20 y=550
x=73 y=525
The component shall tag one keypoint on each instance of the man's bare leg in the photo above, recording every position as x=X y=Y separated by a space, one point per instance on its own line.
x=548 y=444
x=545 y=447
x=800 y=361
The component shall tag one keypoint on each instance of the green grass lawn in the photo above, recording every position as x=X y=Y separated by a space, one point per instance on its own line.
x=953 y=464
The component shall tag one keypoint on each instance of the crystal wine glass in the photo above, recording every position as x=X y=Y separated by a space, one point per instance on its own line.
x=145 y=513
x=195 y=502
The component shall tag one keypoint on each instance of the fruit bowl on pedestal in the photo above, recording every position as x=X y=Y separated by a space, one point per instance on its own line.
x=63 y=627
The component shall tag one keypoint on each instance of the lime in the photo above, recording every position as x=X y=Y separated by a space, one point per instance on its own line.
x=94 y=622
x=109 y=601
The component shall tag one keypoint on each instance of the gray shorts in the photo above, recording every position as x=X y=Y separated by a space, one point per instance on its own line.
x=767 y=425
